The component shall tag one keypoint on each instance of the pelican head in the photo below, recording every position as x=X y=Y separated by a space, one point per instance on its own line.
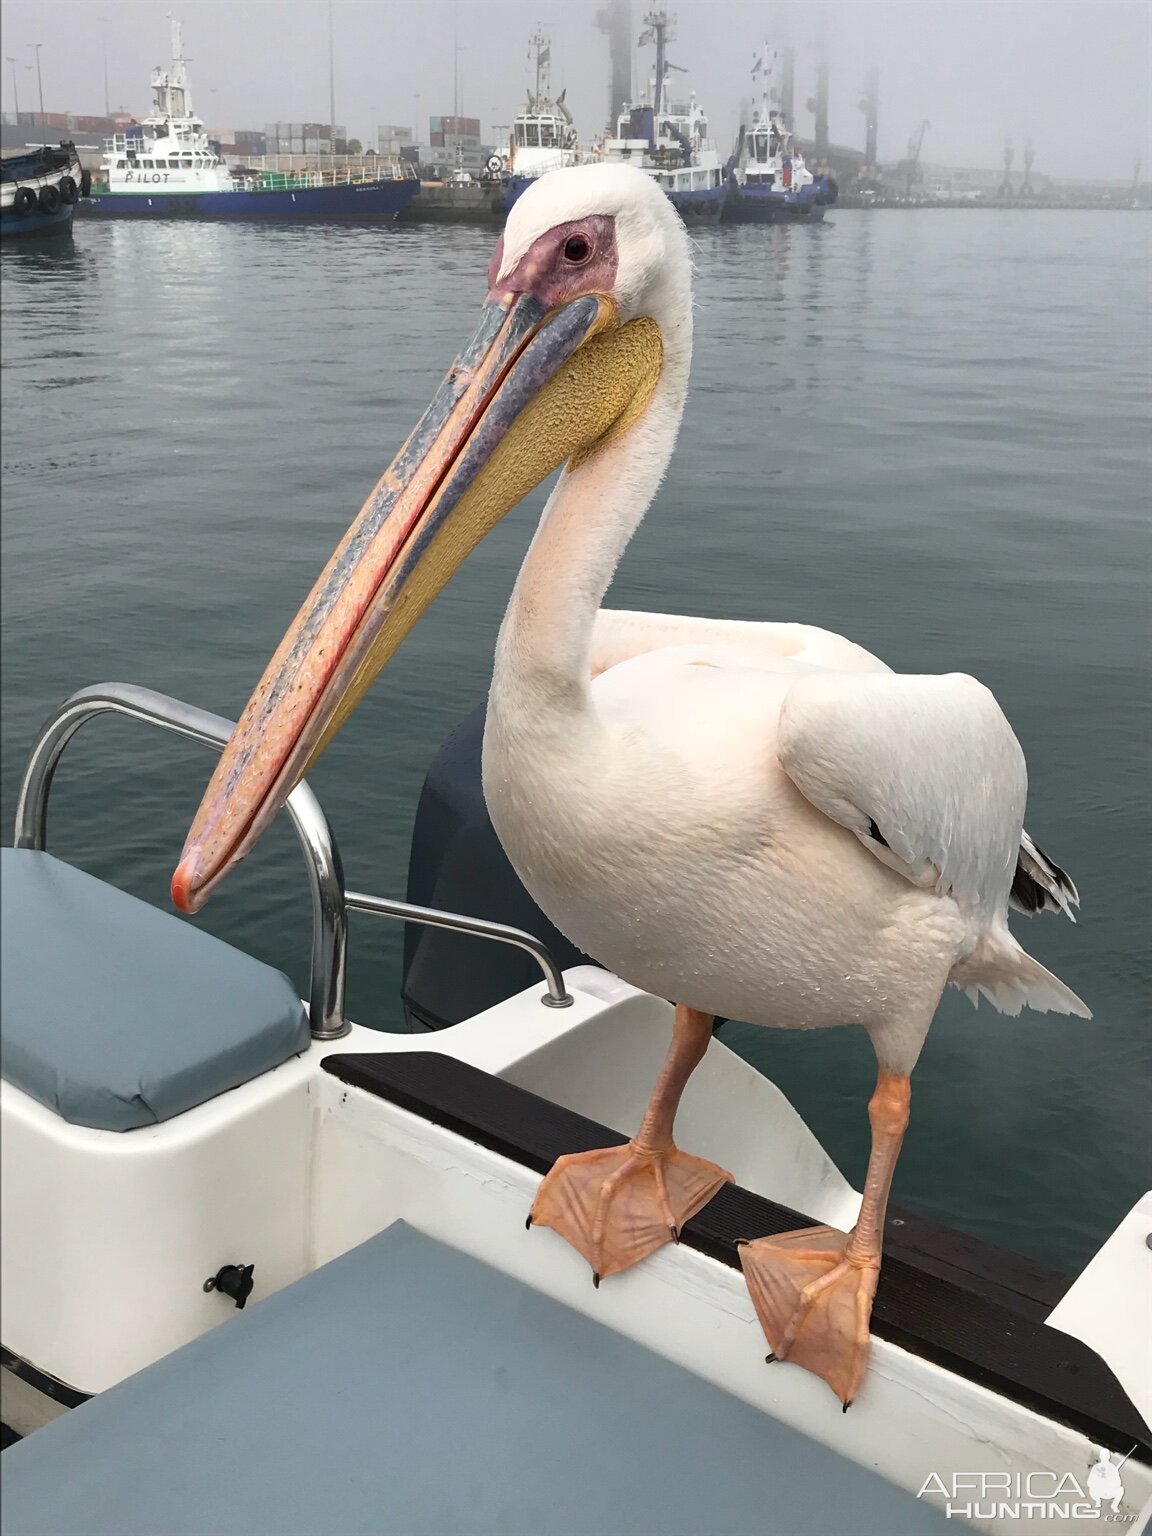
x=586 y=290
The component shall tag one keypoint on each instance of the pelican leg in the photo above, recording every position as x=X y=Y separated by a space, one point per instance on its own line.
x=813 y=1289
x=619 y=1204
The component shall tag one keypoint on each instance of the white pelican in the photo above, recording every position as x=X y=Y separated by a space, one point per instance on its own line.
x=755 y=820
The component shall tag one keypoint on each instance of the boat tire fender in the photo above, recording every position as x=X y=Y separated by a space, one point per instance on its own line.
x=85 y=183
x=49 y=199
x=68 y=190
x=24 y=200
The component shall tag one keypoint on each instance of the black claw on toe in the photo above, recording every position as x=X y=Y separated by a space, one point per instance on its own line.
x=596 y=1279
x=675 y=1231
x=846 y=1406
x=528 y=1223
x=769 y=1359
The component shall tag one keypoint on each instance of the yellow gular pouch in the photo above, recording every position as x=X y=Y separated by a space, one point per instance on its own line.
x=596 y=395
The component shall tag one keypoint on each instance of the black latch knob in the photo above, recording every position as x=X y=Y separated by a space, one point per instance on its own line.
x=234 y=1280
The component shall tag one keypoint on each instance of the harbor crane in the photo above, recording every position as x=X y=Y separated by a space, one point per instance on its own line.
x=818 y=106
x=911 y=168
x=1026 y=187
x=868 y=174
x=1005 y=188
x=615 y=21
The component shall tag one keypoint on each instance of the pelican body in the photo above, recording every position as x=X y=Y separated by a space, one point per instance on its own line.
x=757 y=820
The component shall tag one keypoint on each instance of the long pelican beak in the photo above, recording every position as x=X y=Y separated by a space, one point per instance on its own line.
x=533 y=389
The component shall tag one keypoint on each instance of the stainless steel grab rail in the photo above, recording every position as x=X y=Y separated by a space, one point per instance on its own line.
x=330 y=904
x=480 y=927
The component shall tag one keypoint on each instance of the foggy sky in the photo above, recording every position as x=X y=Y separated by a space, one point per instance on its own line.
x=1075 y=76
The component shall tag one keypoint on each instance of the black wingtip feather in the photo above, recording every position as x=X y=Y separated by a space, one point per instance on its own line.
x=1039 y=884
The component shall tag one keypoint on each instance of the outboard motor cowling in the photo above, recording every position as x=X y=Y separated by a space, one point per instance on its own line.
x=458 y=865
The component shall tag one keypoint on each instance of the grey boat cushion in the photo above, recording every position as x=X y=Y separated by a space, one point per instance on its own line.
x=118 y=1015
x=407 y=1389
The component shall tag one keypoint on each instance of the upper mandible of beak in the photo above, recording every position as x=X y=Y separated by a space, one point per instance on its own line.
x=532 y=389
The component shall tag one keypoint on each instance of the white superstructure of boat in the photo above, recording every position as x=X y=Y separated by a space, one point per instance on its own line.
x=169 y=150
x=768 y=157
x=544 y=136
x=669 y=139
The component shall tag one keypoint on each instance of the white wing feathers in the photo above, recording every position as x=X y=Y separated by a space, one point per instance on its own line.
x=619 y=635
x=928 y=763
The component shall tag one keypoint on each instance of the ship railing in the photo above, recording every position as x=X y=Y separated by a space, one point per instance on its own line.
x=331 y=901
x=327 y=170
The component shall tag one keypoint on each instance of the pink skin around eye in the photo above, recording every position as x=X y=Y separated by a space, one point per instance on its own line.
x=545 y=272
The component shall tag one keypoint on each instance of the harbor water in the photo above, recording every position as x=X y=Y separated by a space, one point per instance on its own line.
x=925 y=430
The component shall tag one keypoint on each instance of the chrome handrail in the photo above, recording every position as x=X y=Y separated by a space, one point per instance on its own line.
x=325 y=873
x=556 y=996
x=330 y=903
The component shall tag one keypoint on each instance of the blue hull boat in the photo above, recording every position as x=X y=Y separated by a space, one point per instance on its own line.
x=354 y=202
x=39 y=191
x=773 y=205
x=703 y=205
x=167 y=168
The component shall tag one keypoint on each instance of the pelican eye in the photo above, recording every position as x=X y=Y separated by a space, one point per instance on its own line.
x=577 y=250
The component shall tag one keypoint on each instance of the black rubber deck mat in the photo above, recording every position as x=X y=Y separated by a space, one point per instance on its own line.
x=970 y=1306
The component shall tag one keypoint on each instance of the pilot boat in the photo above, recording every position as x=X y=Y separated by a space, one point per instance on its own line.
x=165 y=167
x=38 y=191
x=769 y=183
x=267 y=1270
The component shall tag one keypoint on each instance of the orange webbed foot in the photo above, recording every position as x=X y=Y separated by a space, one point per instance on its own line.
x=813 y=1297
x=619 y=1204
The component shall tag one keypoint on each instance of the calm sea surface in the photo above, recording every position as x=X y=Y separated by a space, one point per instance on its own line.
x=928 y=431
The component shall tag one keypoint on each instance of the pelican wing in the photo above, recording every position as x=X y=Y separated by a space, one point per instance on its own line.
x=926 y=771
x=1040 y=885
x=619 y=636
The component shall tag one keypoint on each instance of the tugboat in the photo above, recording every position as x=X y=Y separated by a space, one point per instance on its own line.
x=670 y=140
x=38 y=191
x=768 y=182
x=544 y=134
x=670 y=143
x=165 y=168
x=666 y=139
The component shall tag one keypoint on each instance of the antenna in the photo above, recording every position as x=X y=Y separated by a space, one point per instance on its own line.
x=103 y=24
x=331 y=82
x=658 y=29
x=542 y=46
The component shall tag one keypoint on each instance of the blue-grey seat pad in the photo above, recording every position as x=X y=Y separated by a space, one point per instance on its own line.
x=118 y=1015
x=407 y=1388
